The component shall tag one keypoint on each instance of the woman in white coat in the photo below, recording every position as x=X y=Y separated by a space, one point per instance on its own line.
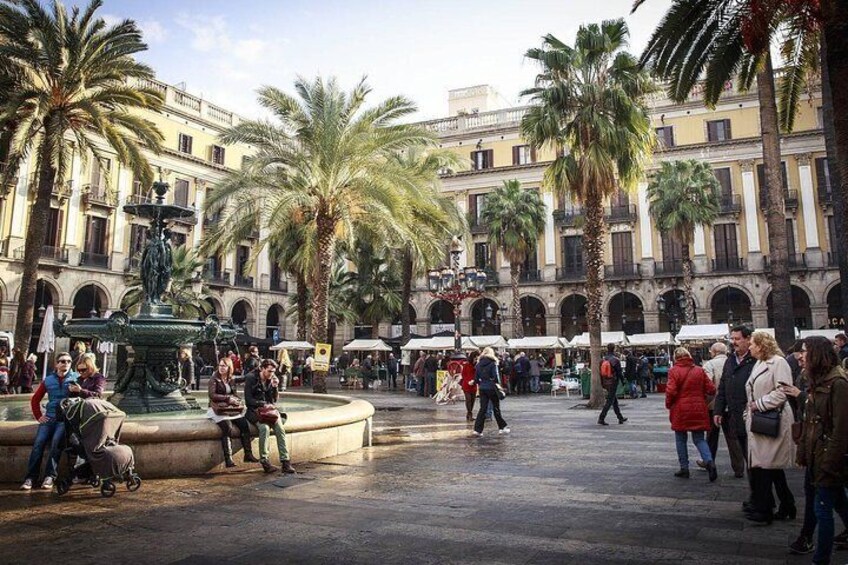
x=769 y=456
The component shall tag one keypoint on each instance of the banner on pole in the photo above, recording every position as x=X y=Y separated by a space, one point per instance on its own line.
x=322 y=357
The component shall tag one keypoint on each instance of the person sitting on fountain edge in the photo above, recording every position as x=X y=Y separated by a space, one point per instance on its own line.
x=260 y=388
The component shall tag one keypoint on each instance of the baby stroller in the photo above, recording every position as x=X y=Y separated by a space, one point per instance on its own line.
x=93 y=430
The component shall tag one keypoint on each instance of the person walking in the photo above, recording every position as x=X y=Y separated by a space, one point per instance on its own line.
x=536 y=364
x=367 y=372
x=731 y=398
x=431 y=365
x=769 y=456
x=644 y=371
x=227 y=410
x=686 y=399
x=522 y=373
x=469 y=385
x=27 y=374
x=199 y=365
x=487 y=377
x=418 y=372
x=611 y=375
x=714 y=369
x=631 y=369
x=392 y=368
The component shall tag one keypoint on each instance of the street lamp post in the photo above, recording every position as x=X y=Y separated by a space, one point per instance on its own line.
x=674 y=311
x=453 y=285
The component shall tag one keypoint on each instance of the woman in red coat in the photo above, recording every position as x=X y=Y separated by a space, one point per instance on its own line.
x=686 y=398
x=469 y=385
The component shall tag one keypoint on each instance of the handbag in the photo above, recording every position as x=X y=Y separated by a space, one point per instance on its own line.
x=227 y=409
x=501 y=392
x=268 y=414
x=766 y=423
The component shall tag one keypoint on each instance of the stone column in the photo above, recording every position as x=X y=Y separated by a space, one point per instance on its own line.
x=819 y=316
x=652 y=321
x=120 y=221
x=700 y=263
x=646 y=232
x=462 y=205
x=549 y=267
x=199 y=201
x=552 y=324
x=760 y=316
x=263 y=264
x=20 y=208
x=752 y=225
x=813 y=253
x=704 y=315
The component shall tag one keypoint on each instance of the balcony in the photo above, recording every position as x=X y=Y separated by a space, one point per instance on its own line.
x=728 y=265
x=99 y=260
x=478 y=226
x=492 y=278
x=571 y=274
x=243 y=281
x=93 y=194
x=794 y=261
x=48 y=253
x=568 y=218
x=61 y=191
x=187 y=221
x=216 y=278
x=623 y=271
x=825 y=198
x=790 y=199
x=620 y=214
x=729 y=204
x=279 y=285
x=530 y=276
x=673 y=268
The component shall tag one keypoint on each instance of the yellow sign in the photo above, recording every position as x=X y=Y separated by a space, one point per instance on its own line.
x=322 y=357
x=440 y=379
x=558 y=357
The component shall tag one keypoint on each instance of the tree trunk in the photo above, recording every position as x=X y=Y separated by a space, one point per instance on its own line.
x=406 y=294
x=518 y=326
x=781 y=290
x=834 y=44
x=33 y=249
x=686 y=260
x=302 y=305
x=326 y=248
x=375 y=329
x=593 y=245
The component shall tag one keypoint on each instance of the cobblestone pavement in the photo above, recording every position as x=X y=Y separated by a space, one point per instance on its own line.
x=559 y=489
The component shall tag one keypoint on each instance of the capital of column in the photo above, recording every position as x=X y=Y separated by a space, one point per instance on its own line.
x=747 y=165
x=803 y=159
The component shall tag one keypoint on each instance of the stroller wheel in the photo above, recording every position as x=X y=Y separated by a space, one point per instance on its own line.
x=62 y=487
x=133 y=483
x=94 y=481
x=107 y=489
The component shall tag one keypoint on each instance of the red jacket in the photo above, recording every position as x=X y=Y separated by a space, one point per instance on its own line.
x=468 y=383
x=686 y=396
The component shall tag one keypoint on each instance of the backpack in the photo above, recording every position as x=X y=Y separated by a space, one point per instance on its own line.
x=606 y=369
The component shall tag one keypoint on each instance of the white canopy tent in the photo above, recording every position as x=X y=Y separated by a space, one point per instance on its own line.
x=481 y=341
x=296 y=345
x=366 y=345
x=539 y=342
x=829 y=334
x=446 y=343
x=703 y=332
x=651 y=339
x=582 y=340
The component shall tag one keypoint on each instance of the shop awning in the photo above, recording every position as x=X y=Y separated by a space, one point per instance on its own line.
x=539 y=342
x=703 y=332
x=829 y=334
x=481 y=341
x=582 y=340
x=366 y=345
x=651 y=339
x=296 y=345
x=444 y=343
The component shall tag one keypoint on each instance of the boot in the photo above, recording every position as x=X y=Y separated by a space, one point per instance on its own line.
x=267 y=467
x=227 y=446
x=287 y=467
x=248 y=451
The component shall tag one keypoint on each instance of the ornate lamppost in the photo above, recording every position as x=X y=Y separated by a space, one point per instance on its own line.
x=453 y=285
x=675 y=311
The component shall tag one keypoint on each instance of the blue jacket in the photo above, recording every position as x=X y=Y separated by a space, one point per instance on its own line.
x=486 y=373
x=57 y=391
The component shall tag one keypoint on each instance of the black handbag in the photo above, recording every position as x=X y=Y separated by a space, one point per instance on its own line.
x=766 y=423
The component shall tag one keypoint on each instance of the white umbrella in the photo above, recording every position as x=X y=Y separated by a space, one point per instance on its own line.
x=292 y=345
x=47 y=339
x=106 y=347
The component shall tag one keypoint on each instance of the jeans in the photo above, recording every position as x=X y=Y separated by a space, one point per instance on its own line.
x=279 y=433
x=534 y=383
x=489 y=397
x=827 y=499
x=612 y=402
x=430 y=384
x=410 y=382
x=683 y=452
x=53 y=432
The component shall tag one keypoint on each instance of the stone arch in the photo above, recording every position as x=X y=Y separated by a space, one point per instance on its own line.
x=802 y=313
x=833 y=299
x=811 y=297
x=89 y=298
x=673 y=317
x=625 y=312
x=485 y=317
x=440 y=312
x=572 y=313
x=274 y=320
x=731 y=303
x=51 y=284
x=242 y=312
x=711 y=296
x=217 y=306
x=532 y=316
x=413 y=316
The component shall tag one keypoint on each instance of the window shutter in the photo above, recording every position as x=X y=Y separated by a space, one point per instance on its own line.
x=822 y=176
x=472 y=207
x=727 y=134
x=790 y=237
x=60 y=224
x=784 y=175
x=473 y=161
x=515 y=152
x=490 y=158
x=761 y=176
x=711 y=131
x=532 y=154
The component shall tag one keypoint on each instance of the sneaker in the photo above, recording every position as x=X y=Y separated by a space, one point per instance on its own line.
x=802 y=546
x=476 y=434
x=27 y=485
x=48 y=483
x=711 y=469
x=503 y=431
x=701 y=464
x=682 y=474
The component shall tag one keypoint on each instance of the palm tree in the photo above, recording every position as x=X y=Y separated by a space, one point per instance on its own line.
x=377 y=282
x=339 y=302
x=75 y=79
x=515 y=219
x=682 y=195
x=188 y=303
x=332 y=158
x=721 y=40
x=588 y=104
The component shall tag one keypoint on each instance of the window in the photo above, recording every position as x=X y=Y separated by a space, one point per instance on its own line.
x=523 y=155
x=484 y=159
x=476 y=203
x=96 y=240
x=572 y=253
x=138 y=235
x=483 y=256
x=790 y=239
x=185 y=143
x=723 y=176
x=531 y=261
x=761 y=176
x=218 y=155
x=178 y=239
x=99 y=173
x=672 y=249
x=242 y=256
x=726 y=251
x=55 y=222
x=620 y=199
x=181 y=192
x=622 y=248
x=718 y=130
x=823 y=175
x=831 y=234
x=665 y=136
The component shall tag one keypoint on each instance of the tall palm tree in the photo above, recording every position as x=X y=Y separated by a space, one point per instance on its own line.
x=723 y=40
x=682 y=195
x=588 y=104
x=188 y=301
x=339 y=303
x=377 y=282
x=75 y=79
x=333 y=157
x=515 y=219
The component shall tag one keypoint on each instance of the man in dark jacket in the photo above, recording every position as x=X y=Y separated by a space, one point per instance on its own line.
x=260 y=388
x=732 y=398
x=611 y=385
x=632 y=363
x=431 y=365
x=522 y=373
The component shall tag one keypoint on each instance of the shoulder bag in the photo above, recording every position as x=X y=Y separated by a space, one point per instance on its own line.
x=765 y=423
x=268 y=414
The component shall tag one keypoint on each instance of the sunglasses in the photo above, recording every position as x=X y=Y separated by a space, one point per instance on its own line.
x=63 y=361
x=82 y=369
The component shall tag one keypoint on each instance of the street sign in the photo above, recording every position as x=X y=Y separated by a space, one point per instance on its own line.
x=322 y=357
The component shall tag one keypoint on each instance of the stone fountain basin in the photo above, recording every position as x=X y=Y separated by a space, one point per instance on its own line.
x=168 y=447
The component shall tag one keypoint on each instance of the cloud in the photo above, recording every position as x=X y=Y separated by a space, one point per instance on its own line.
x=152 y=30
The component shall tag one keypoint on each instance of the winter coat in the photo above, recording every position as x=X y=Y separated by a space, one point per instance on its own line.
x=714 y=369
x=486 y=373
x=762 y=387
x=468 y=383
x=731 y=397
x=686 y=396
x=824 y=441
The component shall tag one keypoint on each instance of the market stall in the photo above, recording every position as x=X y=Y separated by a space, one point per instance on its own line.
x=582 y=341
x=702 y=333
x=293 y=345
x=829 y=334
x=367 y=345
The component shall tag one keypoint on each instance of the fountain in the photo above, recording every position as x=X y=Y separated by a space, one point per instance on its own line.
x=150 y=382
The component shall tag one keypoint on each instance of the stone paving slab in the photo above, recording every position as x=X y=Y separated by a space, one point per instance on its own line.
x=559 y=489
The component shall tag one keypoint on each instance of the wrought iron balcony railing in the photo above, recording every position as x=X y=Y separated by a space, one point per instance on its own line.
x=620 y=214
x=94 y=260
x=728 y=265
x=623 y=271
x=671 y=268
x=577 y=273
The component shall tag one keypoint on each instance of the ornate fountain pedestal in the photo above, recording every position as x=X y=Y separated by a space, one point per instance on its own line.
x=150 y=382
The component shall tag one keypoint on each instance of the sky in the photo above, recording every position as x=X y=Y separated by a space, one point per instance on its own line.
x=224 y=50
